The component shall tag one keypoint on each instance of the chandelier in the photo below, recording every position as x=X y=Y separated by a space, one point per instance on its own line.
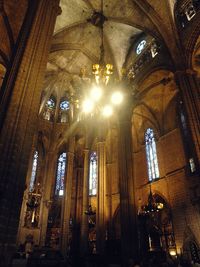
x=102 y=73
x=152 y=205
x=102 y=96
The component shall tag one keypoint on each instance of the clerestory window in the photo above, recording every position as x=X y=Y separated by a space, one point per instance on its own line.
x=93 y=174
x=34 y=171
x=60 y=175
x=151 y=155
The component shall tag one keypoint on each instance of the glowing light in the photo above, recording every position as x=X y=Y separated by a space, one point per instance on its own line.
x=96 y=93
x=117 y=98
x=88 y=106
x=172 y=252
x=160 y=206
x=107 y=111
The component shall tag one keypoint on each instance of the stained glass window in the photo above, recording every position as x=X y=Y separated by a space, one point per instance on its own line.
x=140 y=46
x=50 y=103
x=60 y=175
x=93 y=174
x=151 y=155
x=34 y=170
x=64 y=105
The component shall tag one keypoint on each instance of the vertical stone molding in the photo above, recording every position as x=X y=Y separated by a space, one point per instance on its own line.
x=101 y=190
x=108 y=206
x=128 y=213
x=190 y=91
x=23 y=90
x=84 y=222
x=48 y=181
x=25 y=195
x=67 y=203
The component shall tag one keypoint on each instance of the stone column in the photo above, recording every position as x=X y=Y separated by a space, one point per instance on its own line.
x=48 y=181
x=78 y=208
x=19 y=110
x=129 y=242
x=84 y=221
x=101 y=190
x=190 y=91
x=79 y=199
x=67 y=199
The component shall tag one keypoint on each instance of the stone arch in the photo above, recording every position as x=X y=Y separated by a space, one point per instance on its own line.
x=2 y=73
x=191 y=249
x=156 y=227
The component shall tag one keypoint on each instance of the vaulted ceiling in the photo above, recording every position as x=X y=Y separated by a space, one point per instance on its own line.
x=77 y=40
x=12 y=14
x=77 y=37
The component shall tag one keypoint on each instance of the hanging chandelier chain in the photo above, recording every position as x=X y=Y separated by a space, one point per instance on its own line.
x=101 y=60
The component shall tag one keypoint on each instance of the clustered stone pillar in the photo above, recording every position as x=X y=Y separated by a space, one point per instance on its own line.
x=22 y=97
x=129 y=242
x=84 y=222
x=190 y=91
x=67 y=199
x=100 y=215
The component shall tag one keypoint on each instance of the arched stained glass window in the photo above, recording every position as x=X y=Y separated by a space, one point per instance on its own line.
x=49 y=109
x=93 y=174
x=151 y=155
x=34 y=170
x=60 y=175
x=64 y=111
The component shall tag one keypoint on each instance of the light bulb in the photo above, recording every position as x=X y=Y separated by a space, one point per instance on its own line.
x=117 y=98
x=107 y=111
x=87 y=106
x=96 y=93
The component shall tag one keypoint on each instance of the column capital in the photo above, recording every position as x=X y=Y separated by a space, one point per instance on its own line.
x=86 y=151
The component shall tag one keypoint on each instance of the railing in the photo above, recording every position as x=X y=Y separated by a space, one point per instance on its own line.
x=145 y=57
x=187 y=11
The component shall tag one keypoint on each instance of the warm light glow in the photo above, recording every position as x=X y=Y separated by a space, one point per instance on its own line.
x=160 y=206
x=88 y=106
x=107 y=111
x=117 y=98
x=96 y=93
x=172 y=252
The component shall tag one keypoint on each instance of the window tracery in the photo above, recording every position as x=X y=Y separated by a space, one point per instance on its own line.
x=64 y=105
x=151 y=155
